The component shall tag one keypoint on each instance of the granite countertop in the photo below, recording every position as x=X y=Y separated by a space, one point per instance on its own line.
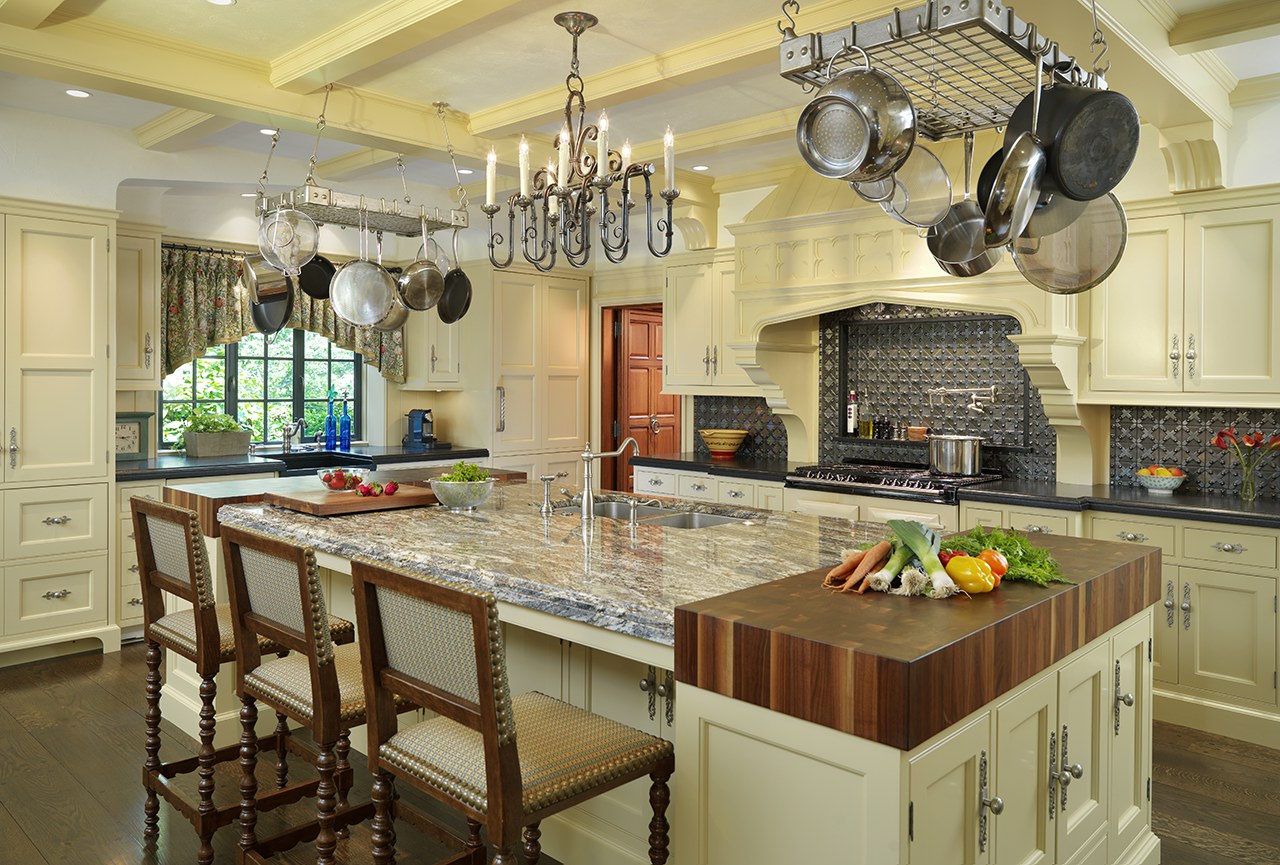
x=383 y=454
x=179 y=465
x=608 y=578
x=1130 y=500
x=736 y=467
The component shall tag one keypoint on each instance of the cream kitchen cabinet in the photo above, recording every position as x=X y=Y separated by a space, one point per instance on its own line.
x=704 y=487
x=433 y=352
x=137 y=345
x=876 y=509
x=1032 y=521
x=1160 y=323
x=699 y=326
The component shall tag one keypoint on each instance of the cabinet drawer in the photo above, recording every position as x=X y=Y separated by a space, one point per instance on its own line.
x=736 y=493
x=696 y=486
x=146 y=491
x=656 y=482
x=1229 y=545
x=769 y=496
x=1135 y=532
x=49 y=595
x=129 y=568
x=55 y=520
x=1039 y=523
x=988 y=518
x=130 y=602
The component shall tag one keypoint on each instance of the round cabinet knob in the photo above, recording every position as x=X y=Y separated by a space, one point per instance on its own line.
x=735 y=494
x=1074 y=771
x=662 y=691
x=655 y=482
x=646 y=684
x=133 y=569
x=995 y=805
x=1186 y=606
x=1127 y=699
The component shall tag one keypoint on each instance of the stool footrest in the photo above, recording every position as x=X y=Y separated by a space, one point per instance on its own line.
x=266 y=848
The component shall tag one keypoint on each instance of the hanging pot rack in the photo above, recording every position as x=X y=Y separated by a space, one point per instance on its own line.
x=966 y=63
x=330 y=207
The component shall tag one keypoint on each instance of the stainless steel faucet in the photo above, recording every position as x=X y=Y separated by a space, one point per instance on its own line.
x=546 y=510
x=288 y=431
x=588 y=495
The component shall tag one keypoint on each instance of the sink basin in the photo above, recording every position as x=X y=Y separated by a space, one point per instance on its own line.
x=613 y=510
x=305 y=462
x=686 y=520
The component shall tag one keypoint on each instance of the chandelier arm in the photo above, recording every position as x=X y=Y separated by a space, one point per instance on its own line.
x=496 y=240
x=664 y=224
x=616 y=223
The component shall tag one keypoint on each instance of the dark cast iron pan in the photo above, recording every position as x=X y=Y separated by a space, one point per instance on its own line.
x=316 y=276
x=271 y=315
x=456 y=299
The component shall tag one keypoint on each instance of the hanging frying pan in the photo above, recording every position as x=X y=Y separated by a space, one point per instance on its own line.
x=316 y=276
x=456 y=299
x=269 y=315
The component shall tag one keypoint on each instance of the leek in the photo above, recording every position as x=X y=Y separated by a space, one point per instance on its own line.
x=898 y=559
x=924 y=544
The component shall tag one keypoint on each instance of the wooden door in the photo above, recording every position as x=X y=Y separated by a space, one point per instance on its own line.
x=137 y=311
x=1232 y=317
x=1085 y=698
x=689 y=308
x=57 y=286
x=1131 y=735
x=1023 y=833
x=944 y=797
x=1228 y=639
x=517 y=320
x=1137 y=313
x=645 y=413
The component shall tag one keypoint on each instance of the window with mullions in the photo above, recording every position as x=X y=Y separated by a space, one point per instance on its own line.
x=265 y=382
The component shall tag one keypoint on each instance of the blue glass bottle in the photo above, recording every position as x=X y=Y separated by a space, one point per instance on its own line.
x=344 y=428
x=331 y=426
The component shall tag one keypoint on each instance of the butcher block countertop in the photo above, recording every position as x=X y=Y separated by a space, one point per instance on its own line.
x=899 y=670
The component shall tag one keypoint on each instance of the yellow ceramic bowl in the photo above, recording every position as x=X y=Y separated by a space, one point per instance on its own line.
x=723 y=443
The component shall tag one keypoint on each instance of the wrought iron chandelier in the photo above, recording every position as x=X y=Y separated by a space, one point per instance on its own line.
x=558 y=204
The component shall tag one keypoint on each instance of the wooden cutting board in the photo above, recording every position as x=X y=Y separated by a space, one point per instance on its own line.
x=326 y=503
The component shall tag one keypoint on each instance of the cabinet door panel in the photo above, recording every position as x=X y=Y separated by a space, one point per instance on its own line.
x=563 y=339
x=56 y=317
x=1023 y=834
x=944 y=797
x=1168 y=624
x=137 y=312
x=1085 y=694
x=726 y=371
x=1137 y=312
x=1228 y=644
x=1131 y=735
x=516 y=324
x=1233 y=300
x=688 y=307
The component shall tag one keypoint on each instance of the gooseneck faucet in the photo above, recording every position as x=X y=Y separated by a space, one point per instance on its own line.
x=588 y=495
x=288 y=431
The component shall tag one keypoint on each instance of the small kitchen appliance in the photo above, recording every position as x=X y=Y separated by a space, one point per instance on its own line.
x=894 y=480
x=421 y=434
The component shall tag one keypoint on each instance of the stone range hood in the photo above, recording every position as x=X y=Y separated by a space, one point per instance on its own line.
x=812 y=246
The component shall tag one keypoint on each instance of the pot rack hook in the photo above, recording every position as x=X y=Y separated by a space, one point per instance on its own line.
x=404 y=186
x=320 y=124
x=1099 y=45
x=846 y=48
x=788 y=8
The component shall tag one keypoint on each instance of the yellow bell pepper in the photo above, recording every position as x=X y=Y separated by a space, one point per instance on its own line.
x=971 y=574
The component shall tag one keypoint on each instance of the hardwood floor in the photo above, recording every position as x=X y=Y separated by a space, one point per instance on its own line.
x=71 y=756
x=71 y=734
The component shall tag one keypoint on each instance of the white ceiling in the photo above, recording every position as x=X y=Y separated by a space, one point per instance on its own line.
x=1251 y=59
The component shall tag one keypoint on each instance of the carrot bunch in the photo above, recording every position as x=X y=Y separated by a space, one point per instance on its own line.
x=850 y=575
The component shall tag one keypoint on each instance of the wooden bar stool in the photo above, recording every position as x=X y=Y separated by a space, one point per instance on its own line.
x=171 y=558
x=502 y=761
x=276 y=595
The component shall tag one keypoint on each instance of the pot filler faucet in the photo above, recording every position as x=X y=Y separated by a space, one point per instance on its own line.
x=588 y=495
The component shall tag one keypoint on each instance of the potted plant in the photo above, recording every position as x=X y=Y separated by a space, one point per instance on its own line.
x=210 y=433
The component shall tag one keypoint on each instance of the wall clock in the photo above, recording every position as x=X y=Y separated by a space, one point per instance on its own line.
x=131 y=435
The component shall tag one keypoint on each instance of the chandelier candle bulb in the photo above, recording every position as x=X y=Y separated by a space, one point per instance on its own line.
x=602 y=144
x=562 y=172
x=491 y=178
x=669 y=158
x=524 y=167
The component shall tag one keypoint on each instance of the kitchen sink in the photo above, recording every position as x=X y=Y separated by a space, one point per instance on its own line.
x=613 y=510
x=689 y=520
x=305 y=462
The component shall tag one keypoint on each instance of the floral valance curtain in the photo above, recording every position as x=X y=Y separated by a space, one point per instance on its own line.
x=205 y=304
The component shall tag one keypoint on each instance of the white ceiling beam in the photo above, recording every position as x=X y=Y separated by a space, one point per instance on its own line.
x=742 y=48
x=761 y=129
x=27 y=13
x=379 y=34
x=356 y=164
x=179 y=129
x=1252 y=91
x=1219 y=26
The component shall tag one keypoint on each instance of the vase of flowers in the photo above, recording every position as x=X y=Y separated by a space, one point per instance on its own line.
x=1249 y=449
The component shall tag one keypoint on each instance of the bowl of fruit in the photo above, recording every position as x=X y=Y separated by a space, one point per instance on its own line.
x=464 y=488
x=1160 y=480
x=341 y=479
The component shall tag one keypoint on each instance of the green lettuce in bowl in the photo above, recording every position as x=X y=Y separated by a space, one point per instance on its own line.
x=464 y=488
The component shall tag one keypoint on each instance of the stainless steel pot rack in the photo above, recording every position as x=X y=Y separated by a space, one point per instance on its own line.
x=966 y=63
x=330 y=207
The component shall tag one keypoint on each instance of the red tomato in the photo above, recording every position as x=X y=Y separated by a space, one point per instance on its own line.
x=999 y=564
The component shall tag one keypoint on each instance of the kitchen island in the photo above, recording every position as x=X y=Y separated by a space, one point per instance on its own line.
x=810 y=727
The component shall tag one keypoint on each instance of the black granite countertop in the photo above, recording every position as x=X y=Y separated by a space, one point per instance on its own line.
x=384 y=454
x=183 y=466
x=758 y=470
x=1130 y=500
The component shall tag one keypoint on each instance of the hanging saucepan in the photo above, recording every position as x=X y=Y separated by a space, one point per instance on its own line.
x=1017 y=186
x=1053 y=212
x=316 y=276
x=261 y=279
x=860 y=125
x=457 y=290
x=956 y=242
x=399 y=313
x=1081 y=255
x=273 y=313
x=362 y=292
x=1089 y=136
x=422 y=282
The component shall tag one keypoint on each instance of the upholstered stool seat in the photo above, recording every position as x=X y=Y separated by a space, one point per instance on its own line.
x=564 y=751
x=177 y=631
x=287 y=681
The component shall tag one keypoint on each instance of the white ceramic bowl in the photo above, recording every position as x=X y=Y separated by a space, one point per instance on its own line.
x=351 y=471
x=1160 y=486
x=462 y=495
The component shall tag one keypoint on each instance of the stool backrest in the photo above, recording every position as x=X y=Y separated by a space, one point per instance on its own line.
x=440 y=646
x=275 y=593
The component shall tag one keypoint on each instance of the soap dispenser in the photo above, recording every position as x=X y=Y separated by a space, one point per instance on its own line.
x=331 y=425
x=344 y=427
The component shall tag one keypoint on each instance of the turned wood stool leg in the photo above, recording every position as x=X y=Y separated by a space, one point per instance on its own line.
x=345 y=776
x=326 y=841
x=505 y=856
x=282 y=752
x=659 y=798
x=532 y=847
x=151 y=808
x=384 y=832
x=474 y=845
x=248 y=776
x=207 y=760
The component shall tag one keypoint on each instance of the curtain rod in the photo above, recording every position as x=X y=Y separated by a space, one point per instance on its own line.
x=189 y=248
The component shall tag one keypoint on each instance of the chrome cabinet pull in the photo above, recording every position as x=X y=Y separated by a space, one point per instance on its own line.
x=706 y=360
x=1122 y=699
x=135 y=602
x=147 y=352
x=655 y=482
x=1069 y=771
x=736 y=494
x=1174 y=356
x=1186 y=606
x=13 y=447
x=1132 y=537
x=133 y=569
x=994 y=804
x=702 y=488
x=1229 y=548
x=56 y=521
x=1169 y=604
x=715 y=360
x=1038 y=530
x=1191 y=355
x=433 y=358
x=650 y=686
x=56 y=596
x=502 y=409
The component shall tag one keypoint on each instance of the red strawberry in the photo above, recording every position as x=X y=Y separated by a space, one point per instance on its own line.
x=326 y=477
x=353 y=481
x=336 y=484
x=390 y=488
x=364 y=490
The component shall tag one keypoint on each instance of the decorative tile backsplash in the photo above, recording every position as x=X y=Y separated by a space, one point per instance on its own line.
x=1182 y=437
x=766 y=436
x=892 y=355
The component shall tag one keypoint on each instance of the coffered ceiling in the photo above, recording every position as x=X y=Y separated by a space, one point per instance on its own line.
x=188 y=73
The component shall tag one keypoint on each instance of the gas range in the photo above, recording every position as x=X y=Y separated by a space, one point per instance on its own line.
x=893 y=479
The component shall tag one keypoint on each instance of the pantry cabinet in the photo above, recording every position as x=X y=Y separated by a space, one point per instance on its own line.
x=699 y=326
x=137 y=345
x=1192 y=308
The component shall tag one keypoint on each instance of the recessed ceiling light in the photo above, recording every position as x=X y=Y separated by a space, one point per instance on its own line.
x=267 y=131
x=702 y=168
x=465 y=171
x=79 y=94
x=223 y=2
x=248 y=195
